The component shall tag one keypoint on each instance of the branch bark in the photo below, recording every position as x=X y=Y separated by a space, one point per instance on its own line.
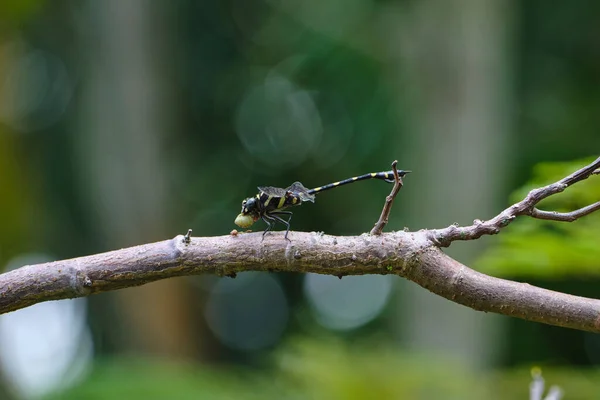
x=413 y=255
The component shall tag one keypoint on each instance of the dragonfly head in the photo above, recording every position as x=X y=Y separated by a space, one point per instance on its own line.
x=250 y=213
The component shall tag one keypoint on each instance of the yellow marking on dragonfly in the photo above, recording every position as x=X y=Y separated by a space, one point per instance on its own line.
x=354 y=178
x=373 y=174
x=317 y=189
x=281 y=202
x=268 y=200
x=294 y=200
x=335 y=183
x=386 y=175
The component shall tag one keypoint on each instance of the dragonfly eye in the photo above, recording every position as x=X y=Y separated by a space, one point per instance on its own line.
x=249 y=205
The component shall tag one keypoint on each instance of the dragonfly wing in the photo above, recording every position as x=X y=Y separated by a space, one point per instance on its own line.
x=272 y=191
x=299 y=190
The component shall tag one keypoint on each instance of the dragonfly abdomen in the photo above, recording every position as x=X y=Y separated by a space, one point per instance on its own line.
x=387 y=176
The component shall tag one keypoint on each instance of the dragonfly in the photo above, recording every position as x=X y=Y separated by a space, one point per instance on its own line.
x=270 y=203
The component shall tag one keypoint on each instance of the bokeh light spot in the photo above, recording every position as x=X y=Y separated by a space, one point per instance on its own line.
x=277 y=123
x=347 y=303
x=47 y=346
x=249 y=312
x=35 y=90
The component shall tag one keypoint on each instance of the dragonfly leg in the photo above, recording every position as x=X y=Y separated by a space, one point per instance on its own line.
x=276 y=216
x=283 y=213
x=270 y=222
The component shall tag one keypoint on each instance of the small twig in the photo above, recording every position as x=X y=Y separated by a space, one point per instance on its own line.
x=582 y=174
x=389 y=200
x=565 y=217
x=444 y=237
x=187 y=237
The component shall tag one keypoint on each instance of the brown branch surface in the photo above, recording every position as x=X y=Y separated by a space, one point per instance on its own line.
x=406 y=254
x=413 y=255
x=444 y=237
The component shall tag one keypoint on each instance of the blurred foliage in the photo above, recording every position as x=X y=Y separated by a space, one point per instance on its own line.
x=533 y=247
x=14 y=203
x=327 y=369
x=130 y=378
x=323 y=369
x=15 y=12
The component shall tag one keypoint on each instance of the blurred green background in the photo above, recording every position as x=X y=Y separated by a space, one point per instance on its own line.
x=127 y=122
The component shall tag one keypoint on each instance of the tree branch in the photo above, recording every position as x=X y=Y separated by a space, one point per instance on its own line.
x=413 y=255
x=444 y=237
x=407 y=254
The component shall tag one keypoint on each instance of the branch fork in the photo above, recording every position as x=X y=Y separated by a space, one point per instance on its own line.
x=444 y=237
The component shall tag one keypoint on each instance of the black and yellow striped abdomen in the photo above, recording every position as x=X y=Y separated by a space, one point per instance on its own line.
x=387 y=176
